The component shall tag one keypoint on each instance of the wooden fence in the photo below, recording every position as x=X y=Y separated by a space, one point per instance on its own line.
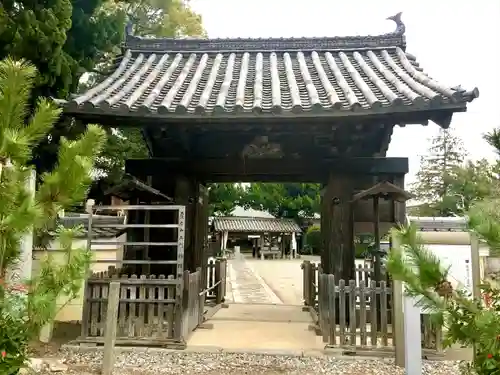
x=193 y=302
x=150 y=312
x=216 y=280
x=356 y=315
x=147 y=310
x=363 y=275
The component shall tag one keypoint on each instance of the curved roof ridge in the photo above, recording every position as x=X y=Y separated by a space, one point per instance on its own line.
x=252 y=218
x=395 y=38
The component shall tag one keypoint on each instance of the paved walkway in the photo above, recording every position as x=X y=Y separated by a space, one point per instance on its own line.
x=246 y=286
x=249 y=327
x=256 y=318
x=282 y=276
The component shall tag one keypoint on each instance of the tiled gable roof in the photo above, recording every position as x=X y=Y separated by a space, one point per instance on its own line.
x=255 y=225
x=268 y=77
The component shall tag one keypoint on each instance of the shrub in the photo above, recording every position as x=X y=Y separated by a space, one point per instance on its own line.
x=313 y=239
x=465 y=320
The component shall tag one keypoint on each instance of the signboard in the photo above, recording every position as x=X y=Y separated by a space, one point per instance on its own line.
x=458 y=259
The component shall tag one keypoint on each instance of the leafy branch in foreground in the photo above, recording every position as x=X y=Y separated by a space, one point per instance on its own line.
x=27 y=305
x=465 y=320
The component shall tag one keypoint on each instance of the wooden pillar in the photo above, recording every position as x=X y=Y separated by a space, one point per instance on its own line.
x=399 y=207
x=337 y=232
x=202 y=229
x=397 y=295
x=376 y=235
x=184 y=189
x=198 y=228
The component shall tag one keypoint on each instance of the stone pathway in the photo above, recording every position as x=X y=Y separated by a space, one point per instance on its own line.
x=246 y=286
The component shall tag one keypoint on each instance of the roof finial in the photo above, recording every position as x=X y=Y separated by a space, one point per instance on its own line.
x=400 y=26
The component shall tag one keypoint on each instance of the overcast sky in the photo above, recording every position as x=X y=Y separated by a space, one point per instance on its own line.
x=456 y=42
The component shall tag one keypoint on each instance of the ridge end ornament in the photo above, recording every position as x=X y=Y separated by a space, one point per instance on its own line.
x=400 y=26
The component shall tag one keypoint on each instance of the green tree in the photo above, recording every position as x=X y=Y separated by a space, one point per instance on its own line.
x=167 y=18
x=472 y=182
x=26 y=307
x=437 y=169
x=122 y=144
x=313 y=239
x=493 y=139
x=289 y=200
x=223 y=198
x=65 y=39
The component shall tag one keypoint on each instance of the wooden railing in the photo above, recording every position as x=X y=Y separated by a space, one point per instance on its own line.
x=358 y=313
x=216 y=280
x=310 y=282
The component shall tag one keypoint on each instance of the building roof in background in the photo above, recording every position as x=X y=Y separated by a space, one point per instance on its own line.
x=72 y=220
x=439 y=224
x=255 y=225
x=239 y=211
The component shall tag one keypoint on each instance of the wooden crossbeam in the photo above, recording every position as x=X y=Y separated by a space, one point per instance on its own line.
x=266 y=169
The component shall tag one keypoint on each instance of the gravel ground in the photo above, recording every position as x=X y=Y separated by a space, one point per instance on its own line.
x=173 y=363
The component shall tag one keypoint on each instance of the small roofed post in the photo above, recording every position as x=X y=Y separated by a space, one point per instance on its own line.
x=387 y=191
x=393 y=193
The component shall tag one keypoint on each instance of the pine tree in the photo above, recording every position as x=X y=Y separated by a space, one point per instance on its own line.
x=466 y=320
x=437 y=171
x=23 y=314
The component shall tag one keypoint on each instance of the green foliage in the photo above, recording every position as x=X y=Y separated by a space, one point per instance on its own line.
x=66 y=38
x=313 y=239
x=484 y=220
x=26 y=305
x=168 y=18
x=223 y=198
x=437 y=170
x=13 y=335
x=493 y=139
x=281 y=200
x=465 y=320
x=290 y=200
x=122 y=144
x=466 y=184
x=37 y=32
x=474 y=181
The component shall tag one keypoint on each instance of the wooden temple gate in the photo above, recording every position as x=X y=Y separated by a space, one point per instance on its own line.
x=319 y=110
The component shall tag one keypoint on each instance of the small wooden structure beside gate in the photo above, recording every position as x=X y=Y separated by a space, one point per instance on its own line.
x=154 y=310
x=360 y=330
